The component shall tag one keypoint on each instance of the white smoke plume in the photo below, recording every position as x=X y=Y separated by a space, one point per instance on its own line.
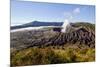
x=69 y=15
x=65 y=26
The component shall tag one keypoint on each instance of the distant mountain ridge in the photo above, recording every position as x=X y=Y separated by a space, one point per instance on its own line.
x=37 y=24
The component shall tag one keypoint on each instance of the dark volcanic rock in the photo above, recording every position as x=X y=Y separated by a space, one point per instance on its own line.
x=25 y=39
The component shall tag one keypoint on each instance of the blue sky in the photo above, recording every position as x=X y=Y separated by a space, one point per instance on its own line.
x=26 y=11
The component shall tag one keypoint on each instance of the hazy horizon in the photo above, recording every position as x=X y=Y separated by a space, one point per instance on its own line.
x=26 y=11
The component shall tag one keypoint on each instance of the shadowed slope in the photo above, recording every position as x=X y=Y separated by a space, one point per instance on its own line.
x=82 y=35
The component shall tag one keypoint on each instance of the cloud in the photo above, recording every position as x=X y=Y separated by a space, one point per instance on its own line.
x=68 y=15
x=76 y=11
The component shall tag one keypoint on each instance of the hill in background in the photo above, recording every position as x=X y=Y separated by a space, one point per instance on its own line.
x=37 y=24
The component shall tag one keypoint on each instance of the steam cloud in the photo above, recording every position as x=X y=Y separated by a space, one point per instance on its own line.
x=66 y=26
x=69 y=15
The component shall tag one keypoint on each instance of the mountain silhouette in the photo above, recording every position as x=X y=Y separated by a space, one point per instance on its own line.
x=37 y=24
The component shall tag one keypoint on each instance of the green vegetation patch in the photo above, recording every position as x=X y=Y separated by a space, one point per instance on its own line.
x=48 y=55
